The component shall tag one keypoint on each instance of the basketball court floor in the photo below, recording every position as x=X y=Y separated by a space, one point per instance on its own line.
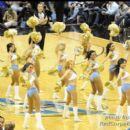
x=52 y=109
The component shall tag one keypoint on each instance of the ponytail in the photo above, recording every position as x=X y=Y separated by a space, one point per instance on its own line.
x=88 y=54
x=30 y=41
x=108 y=48
x=117 y=67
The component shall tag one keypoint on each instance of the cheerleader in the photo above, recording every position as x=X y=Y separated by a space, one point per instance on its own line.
x=13 y=60
x=122 y=74
x=85 y=42
x=86 y=47
x=87 y=35
x=70 y=78
x=113 y=56
x=61 y=60
x=30 y=55
x=61 y=57
x=33 y=95
x=95 y=79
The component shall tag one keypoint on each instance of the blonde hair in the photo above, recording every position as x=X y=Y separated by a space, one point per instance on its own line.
x=67 y=64
x=58 y=47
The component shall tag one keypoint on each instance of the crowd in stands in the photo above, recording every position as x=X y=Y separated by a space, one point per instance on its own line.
x=94 y=13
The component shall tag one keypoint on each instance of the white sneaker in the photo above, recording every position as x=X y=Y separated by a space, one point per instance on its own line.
x=100 y=110
x=26 y=121
x=17 y=98
x=66 y=115
x=76 y=119
x=25 y=105
x=64 y=99
x=39 y=121
x=55 y=96
x=40 y=127
x=93 y=105
x=9 y=96
x=25 y=127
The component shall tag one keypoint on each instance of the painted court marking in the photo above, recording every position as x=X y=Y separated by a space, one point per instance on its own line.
x=48 y=108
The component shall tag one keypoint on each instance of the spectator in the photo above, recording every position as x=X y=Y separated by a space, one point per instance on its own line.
x=25 y=14
x=96 y=13
x=59 y=8
x=88 y=12
x=122 y=13
x=8 y=3
x=10 y=18
x=71 y=8
x=47 y=11
x=74 y=12
x=112 y=8
x=3 y=8
x=2 y=120
x=126 y=21
x=53 y=14
x=15 y=6
x=123 y=8
x=66 y=10
x=43 y=19
x=80 y=15
x=10 y=126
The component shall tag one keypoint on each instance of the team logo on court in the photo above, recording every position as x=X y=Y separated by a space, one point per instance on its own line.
x=48 y=107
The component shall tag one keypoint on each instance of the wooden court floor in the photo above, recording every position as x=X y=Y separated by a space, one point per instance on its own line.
x=53 y=120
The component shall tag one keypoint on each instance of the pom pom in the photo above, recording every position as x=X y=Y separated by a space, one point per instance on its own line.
x=10 y=33
x=57 y=88
x=58 y=27
x=32 y=22
x=21 y=60
x=36 y=37
x=78 y=51
x=109 y=85
x=21 y=79
x=6 y=34
x=114 y=29
x=85 y=28
x=101 y=67
x=4 y=71
x=87 y=36
x=52 y=71
x=24 y=82
x=59 y=83
x=111 y=56
x=40 y=55
x=37 y=52
x=82 y=76
x=84 y=66
x=127 y=45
